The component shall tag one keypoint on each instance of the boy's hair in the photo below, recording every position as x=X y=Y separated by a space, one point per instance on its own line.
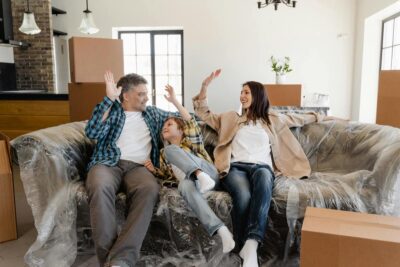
x=179 y=122
x=128 y=81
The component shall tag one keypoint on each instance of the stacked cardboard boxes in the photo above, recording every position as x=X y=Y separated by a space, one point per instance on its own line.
x=89 y=59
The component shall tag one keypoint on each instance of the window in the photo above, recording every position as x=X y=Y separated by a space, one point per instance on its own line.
x=157 y=56
x=390 y=56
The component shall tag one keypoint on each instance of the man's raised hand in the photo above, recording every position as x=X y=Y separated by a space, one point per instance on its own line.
x=112 y=91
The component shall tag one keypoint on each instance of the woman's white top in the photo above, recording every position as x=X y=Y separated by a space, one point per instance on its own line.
x=135 y=139
x=251 y=144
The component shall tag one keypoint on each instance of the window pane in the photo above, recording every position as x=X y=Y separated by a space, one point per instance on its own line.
x=144 y=65
x=397 y=31
x=143 y=44
x=129 y=64
x=161 y=82
x=174 y=64
x=396 y=58
x=160 y=44
x=129 y=43
x=167 y=59
x=161 y=65
x=388 y=33
x=176 y=82
x=386 y=59
x=174 y=44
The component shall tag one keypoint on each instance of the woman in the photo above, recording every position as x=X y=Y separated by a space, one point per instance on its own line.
x=184 y=161
x=252 y=148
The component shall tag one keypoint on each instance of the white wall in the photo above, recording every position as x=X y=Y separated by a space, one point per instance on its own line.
x=370 y=14
x=318 y=36
x=6 y=54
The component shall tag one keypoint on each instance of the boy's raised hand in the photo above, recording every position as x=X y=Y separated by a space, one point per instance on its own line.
x=112 y=91
x=170 y=96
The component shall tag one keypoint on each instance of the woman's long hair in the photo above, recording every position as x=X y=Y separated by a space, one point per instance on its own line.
x=259 y=107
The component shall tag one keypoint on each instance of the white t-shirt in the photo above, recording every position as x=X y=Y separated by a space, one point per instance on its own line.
x=135 y=139
x=251 y=144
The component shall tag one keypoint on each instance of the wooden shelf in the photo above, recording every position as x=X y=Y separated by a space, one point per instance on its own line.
x=59 y=33
x=57 y=11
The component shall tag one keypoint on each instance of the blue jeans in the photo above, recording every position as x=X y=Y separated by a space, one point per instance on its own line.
x=250 y=186
x=189 y=163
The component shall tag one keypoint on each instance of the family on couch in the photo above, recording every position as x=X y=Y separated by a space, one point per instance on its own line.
x=253 y=148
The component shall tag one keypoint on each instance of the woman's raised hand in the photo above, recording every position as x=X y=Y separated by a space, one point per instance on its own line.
x=112 y=91
x=170 y=96
x=206 y=82
x=211 y=77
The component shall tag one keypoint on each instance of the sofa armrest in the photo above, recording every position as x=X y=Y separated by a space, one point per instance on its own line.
x=48 y=159
x=368 y=153
x=382 y=188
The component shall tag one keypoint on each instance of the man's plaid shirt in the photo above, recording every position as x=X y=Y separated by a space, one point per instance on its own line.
x=192 y=142
x=107 y=133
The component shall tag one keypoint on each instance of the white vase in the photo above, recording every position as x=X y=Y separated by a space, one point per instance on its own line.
x=280 y=78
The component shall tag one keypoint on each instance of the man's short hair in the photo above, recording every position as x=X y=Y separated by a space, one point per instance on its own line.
x=128 y=81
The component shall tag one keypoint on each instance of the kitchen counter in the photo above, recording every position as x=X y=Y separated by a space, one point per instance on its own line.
x=32 y=95
x=26 y=111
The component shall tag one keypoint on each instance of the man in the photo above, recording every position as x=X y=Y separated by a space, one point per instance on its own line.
x=127 y=134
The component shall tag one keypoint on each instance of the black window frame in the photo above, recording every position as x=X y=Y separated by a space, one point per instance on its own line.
x=393 y=17
x=152 y=51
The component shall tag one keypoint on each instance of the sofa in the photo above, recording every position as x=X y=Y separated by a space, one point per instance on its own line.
x=355 y=167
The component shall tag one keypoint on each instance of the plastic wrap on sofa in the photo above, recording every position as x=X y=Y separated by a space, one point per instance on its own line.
x=354 y=167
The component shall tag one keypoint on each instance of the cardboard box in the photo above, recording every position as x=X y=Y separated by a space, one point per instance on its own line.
x=91 y=57
x=284 y=94
x=83 y=98
x=8 y=225
x=343 y=238
x=388 y=98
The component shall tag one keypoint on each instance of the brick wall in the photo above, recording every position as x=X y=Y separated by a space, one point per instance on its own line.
x=35 y=64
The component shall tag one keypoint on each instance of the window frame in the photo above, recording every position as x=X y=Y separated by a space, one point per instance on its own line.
x=152 y=55
x=393 y=17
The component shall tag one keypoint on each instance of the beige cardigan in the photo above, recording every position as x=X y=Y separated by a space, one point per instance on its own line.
x=287 y=154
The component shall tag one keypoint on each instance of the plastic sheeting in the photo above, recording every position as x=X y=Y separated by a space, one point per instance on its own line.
x=355 y=167
x=55 y=237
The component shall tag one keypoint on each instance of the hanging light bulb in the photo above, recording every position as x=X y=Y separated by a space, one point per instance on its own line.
x=29 y=25
x=87 y=25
